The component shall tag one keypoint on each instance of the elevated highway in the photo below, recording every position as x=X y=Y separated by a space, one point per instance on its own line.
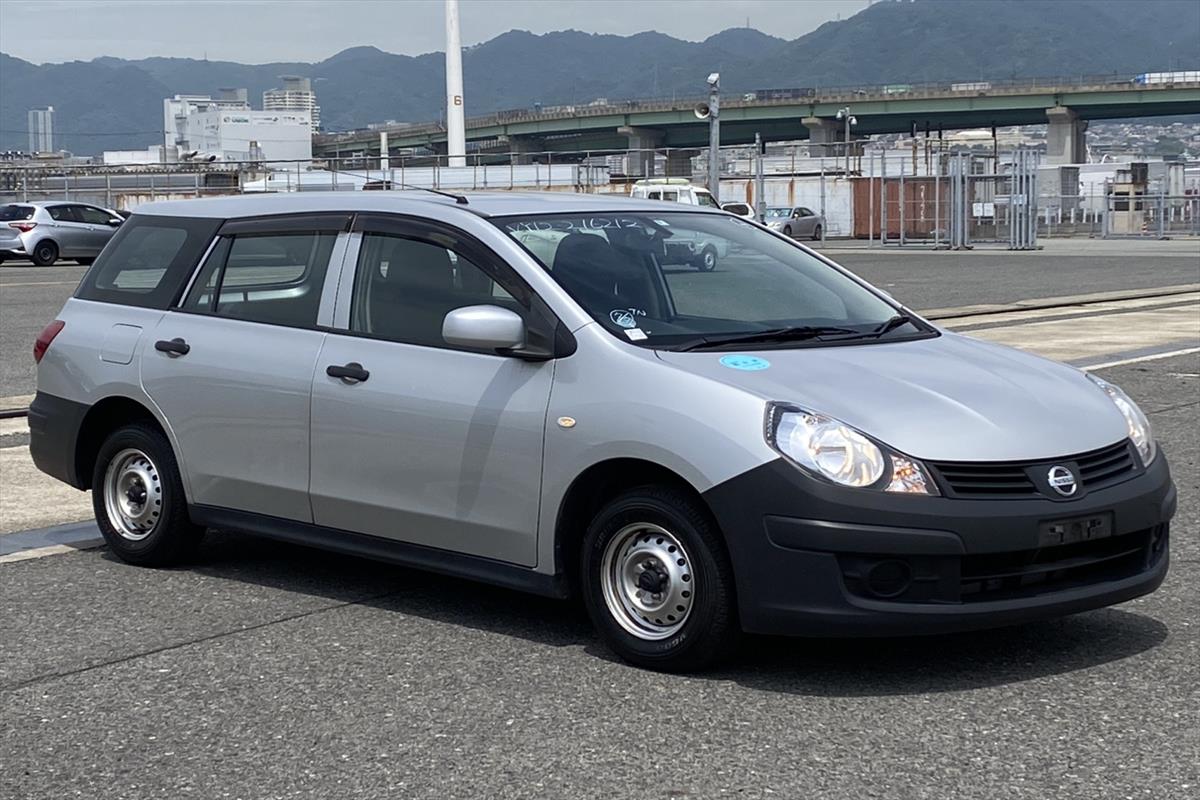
x=1066 y=104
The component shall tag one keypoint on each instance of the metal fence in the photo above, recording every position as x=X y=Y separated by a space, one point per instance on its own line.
x=883 y=197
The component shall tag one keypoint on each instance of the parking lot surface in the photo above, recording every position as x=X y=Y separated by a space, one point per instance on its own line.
x=272 y=671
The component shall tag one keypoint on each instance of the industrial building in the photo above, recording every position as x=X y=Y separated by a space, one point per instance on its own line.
x=41 y=130
x=296 y=95
x=225 y=128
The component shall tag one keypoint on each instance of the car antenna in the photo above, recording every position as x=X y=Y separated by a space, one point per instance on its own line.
x=458 y=198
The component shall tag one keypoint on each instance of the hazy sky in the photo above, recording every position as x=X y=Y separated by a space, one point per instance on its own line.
x=259 y=31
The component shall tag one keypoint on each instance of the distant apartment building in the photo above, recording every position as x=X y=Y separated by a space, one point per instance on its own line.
x=296 y=95
x=41 y=130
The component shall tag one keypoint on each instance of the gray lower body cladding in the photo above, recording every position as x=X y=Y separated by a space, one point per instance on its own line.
x=814 y=559
x=54 y=425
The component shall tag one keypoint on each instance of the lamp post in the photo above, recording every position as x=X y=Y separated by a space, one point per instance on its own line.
x=845 y=115
x=714 y=135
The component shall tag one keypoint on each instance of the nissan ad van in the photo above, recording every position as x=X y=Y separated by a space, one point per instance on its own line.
x=514 y=388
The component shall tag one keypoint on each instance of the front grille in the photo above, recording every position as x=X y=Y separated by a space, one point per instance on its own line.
x=1095 y=469
x=1001 y=576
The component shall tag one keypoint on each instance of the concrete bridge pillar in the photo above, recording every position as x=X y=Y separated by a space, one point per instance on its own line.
x=679 y=163
x=1066 y=137
x=642 y=143
x=522 y=149
x=824 y=135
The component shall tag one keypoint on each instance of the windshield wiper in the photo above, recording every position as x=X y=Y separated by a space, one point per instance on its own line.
x=891 y=325
x=792 y=333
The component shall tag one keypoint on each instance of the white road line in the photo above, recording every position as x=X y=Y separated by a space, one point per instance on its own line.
x=4 y=285
x=51 y=550
x=1152 y=357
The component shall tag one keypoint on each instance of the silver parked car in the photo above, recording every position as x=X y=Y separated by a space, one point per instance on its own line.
x=46 y=232
x=513 y=389
x=798 y=222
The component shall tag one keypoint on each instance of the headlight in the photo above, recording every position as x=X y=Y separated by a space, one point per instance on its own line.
x=829 y=449
x=1135 y=420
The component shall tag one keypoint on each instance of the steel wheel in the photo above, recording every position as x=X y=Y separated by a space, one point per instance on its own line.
x=647 y=582
x=132 y=494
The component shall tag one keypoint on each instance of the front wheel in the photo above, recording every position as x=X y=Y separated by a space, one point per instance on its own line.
x=787 y=231
x=817 y=234
x=137 y=495
x=657 y=581
x=44 y=253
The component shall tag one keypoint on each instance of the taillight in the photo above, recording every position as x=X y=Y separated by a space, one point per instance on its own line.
x=23 y=227
x=45 y=338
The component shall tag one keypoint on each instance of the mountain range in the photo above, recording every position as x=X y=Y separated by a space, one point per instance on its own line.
x=112 y=103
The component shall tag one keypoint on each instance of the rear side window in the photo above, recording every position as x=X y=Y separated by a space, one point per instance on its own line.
x=15 y=213
x=148 y=262
x=92 y=215
x=272 y=278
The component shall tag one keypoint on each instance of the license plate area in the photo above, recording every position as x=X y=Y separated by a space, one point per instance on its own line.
x=1070 y=530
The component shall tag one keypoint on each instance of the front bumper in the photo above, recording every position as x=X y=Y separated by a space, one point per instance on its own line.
x=818 y=560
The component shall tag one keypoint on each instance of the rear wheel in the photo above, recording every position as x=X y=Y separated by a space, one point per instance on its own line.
x=44 y=253
x=657 y=582
x=817 y=234
x=707 y=261
x=138 y=499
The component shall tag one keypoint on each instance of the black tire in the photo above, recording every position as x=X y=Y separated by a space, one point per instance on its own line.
x=817 y=234
x=86 y=262
x=787 y=231
x=707 y=260
x=44 y=254
x=171 y=537
x=709 y=631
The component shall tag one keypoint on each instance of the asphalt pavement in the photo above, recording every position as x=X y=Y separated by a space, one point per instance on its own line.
x=271 y=671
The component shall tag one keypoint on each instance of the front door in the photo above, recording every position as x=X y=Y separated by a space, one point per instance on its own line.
x=231 y=367
x=432 y=445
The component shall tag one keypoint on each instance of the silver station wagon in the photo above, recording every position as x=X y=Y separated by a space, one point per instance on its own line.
x=521 y=389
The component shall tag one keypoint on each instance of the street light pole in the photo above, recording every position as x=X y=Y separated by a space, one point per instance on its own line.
x=845 y=115
x=714 y=135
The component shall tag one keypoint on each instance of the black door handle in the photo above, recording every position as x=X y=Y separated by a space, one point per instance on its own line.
x=352 y=372
x=175 y=347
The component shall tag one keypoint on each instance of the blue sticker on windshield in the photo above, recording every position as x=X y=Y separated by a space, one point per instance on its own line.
x=739 y=361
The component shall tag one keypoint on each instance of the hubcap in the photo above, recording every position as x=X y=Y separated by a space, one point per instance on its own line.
x=646 y=577
x=132 y=494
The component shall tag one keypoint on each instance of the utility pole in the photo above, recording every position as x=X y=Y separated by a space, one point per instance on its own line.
x=456 y=136
x=714 y=135
x=760 y=200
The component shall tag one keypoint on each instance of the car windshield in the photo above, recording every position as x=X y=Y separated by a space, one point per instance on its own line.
x=778 y=212
x=684 y=280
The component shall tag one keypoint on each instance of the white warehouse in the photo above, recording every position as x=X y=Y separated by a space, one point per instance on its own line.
x=249 y=135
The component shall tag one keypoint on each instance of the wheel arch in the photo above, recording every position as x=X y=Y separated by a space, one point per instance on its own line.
x=103 y=418
x=594 y=487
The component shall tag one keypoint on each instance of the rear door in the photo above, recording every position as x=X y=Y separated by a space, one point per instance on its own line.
x=439 y=446
x=231 y=367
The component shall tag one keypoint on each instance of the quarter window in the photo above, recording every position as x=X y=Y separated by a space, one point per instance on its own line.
x=404 y=287
x=148 y=261
x=274 y=278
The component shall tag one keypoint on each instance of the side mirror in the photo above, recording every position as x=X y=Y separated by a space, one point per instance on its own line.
x=484 y=327
x=115 y=222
